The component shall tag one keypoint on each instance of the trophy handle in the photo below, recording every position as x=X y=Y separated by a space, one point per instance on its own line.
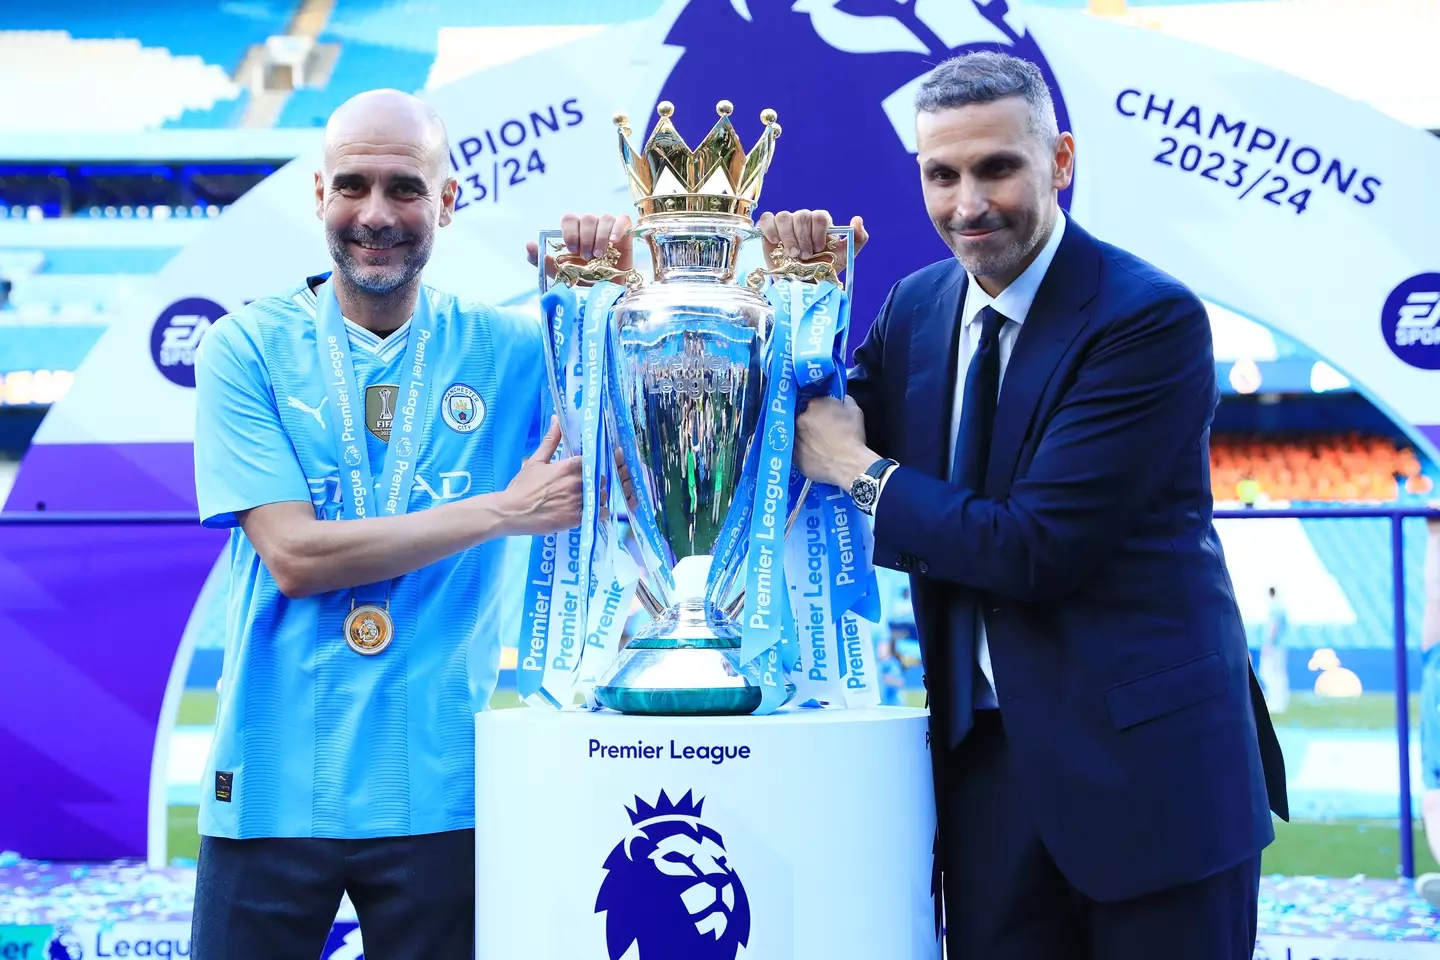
x=816 y=269
x=552 y=362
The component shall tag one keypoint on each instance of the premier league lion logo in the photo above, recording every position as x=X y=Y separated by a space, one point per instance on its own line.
x=845 y=101
x=64 y=946
x=669 y=890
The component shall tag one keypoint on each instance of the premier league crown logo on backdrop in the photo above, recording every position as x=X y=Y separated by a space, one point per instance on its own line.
x=846 y=99
x=64 y=946
x=669 y=889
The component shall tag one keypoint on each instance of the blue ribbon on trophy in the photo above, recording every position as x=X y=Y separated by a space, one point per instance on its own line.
x=614 y=575
x=842 y=587
x=766 y=595
x=560 y=582
x=830 y=576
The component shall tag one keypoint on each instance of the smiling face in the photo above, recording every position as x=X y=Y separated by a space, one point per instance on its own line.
x=991 y=179
x=383 y=191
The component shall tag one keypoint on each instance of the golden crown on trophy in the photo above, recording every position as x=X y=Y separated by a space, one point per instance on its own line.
x=717 y=178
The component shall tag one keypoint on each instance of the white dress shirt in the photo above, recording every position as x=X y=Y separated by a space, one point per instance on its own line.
x=1013 y=303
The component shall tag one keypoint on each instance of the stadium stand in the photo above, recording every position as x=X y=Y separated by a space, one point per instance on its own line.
x=1345 y=468
x=216 y=32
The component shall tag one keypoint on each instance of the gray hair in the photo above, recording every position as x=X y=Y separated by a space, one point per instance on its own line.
x=984 y=77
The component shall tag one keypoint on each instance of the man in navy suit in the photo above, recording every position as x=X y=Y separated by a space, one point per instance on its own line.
x=1029 y=423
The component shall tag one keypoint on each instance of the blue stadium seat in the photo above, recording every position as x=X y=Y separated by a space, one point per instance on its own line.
x=223 y=116
x=108 y=260
x=360 y=67
x=217 y=31
x=383 y=44
x=1357 y=553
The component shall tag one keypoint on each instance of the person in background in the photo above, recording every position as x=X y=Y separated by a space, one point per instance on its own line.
x=1248 y=490
x=1273 y=673
x=892 y=675
x=1428 y=885
x=5 y=287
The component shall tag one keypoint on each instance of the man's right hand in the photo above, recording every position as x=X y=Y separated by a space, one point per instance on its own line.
x=590 y=235
x=803 y=234
x=545 y=497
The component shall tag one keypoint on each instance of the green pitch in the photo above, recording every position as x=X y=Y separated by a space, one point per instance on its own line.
x=1334 y=848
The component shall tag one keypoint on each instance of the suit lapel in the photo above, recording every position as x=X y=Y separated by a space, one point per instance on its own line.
x=930 y=392
x=1055 y=319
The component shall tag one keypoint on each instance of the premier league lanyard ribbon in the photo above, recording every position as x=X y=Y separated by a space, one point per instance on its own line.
x=567 y=570
x=369 y=628
x=766 y=603
x=827 y=572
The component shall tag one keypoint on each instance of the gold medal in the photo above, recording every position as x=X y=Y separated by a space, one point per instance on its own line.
x=369 y=629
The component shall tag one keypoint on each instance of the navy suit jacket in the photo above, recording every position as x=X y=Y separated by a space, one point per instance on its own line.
x=1119 y=654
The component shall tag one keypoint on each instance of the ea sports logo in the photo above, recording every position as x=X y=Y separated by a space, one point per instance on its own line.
x=669 y=888
x=177 y=334
x=1410 y=321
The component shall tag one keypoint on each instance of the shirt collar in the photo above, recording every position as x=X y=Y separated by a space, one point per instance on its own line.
x=1014 y=301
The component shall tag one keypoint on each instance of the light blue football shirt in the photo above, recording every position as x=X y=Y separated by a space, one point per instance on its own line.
x=313 y=739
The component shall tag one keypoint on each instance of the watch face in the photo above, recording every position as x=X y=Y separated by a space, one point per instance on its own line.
x=863 y=490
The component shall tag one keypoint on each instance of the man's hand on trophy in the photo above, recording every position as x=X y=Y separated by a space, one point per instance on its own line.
x=588 y=237
x=627 y=483
x=545 y=497
x=830 y=442
x=803 y=234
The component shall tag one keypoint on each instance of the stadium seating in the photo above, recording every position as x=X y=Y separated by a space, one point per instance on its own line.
x=355 y=71
x=1334 y=575
x=96 y=85
x=216 y=32
x=1357 y=555
x=1346 y=468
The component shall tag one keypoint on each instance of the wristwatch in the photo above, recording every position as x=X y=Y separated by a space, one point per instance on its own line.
x=865 y=489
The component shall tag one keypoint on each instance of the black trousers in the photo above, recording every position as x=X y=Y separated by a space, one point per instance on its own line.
x=276 y=898
x=1006 y=900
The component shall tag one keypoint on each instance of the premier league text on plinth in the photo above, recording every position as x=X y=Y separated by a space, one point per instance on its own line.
x=696 y=378
x=614 y=837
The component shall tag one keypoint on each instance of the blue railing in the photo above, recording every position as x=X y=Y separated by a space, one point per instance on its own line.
x=1396 y=515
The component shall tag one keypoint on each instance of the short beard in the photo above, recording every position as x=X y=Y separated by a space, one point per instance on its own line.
x=991 y=263
x=998 y=263
x=373 y=281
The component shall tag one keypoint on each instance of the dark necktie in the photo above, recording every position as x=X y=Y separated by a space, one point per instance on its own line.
x=972 y=453
x=977 y=410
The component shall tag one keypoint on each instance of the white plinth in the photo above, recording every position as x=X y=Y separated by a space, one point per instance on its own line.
x=819 y=825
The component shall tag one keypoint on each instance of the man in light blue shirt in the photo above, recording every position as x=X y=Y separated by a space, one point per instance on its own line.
x=357 y=652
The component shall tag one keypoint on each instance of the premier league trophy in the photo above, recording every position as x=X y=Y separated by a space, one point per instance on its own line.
x=694 y=378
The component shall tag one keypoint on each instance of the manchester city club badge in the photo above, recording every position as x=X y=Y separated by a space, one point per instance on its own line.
x=380 y=403
x=461 y=408
x=369 y=629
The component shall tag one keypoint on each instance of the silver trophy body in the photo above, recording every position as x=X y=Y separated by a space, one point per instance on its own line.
x=691 y=355
x=689 y=371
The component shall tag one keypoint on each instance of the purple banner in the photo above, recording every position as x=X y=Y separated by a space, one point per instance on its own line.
x=1432 y=434
x=91 y=618
x=128 y=478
